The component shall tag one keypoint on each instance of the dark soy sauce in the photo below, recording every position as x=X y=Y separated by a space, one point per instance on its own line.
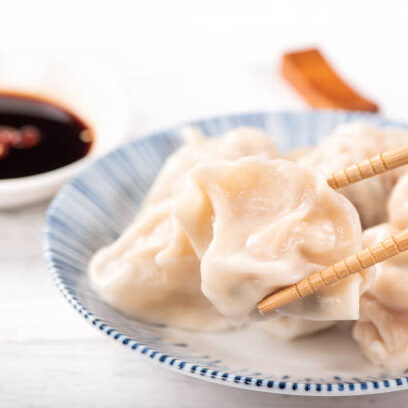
x=37 y=136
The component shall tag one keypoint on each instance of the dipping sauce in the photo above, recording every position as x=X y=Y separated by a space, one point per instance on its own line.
x=37 y=136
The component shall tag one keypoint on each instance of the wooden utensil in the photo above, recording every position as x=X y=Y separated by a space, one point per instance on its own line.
x=355 y=263
x=368 y=257
x=370 y=167
x=312 y=76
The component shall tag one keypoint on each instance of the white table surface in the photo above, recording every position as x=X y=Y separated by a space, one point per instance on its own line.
x=174 y=61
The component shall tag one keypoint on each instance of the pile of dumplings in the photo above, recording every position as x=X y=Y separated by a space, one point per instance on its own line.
x=229 y=221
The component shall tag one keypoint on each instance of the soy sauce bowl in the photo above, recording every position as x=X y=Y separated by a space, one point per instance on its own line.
x=83 y=91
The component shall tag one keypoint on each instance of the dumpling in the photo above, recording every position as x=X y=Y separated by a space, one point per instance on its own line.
x=382 y=331
x=151 y=273
x=297 y=154
x=291 y=327
x=382 y=335
x=351 y=144
x=258 y=225
x=239 y=142
x=398 y=204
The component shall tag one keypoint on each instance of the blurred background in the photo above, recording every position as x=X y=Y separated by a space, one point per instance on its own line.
x=179 y=60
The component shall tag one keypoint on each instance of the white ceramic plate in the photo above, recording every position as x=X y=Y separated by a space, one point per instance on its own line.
x=85 y=92
x=93 y=209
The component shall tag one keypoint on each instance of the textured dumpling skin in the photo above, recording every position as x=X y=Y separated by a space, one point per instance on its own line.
x=382 y=335
x=259 y=225
x=152 y=274
x=237 y=143
x=350 y=144
x=398 y=204
x=292 y=327
x=382 y=330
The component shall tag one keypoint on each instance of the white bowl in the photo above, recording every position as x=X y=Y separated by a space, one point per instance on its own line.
x=88 y=93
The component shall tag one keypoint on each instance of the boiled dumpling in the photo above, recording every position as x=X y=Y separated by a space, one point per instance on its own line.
x=398 y=204
x=151 y=273
x=382 y=331
x=291 y=327
x=350 y=144
x=239 y=142
x=382 y=335
x=297 y=154
x=258 y=225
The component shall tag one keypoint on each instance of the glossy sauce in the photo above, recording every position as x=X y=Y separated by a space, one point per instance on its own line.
x=37 y=136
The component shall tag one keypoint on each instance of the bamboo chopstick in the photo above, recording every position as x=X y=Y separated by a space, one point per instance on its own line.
x=355 y=263
x=370 y=167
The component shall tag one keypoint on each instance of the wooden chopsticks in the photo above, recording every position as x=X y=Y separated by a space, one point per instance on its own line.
x=368 y=168
x=355 y=263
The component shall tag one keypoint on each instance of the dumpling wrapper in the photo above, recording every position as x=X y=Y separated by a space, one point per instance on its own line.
x=259 y=225
x=291 y=327
x=350 y=144
x=398 y=204
x=382 y=335
x=151 y=273
x=382 y=331
x=237 y=143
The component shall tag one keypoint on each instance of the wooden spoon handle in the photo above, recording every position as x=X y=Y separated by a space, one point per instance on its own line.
x=369 y=168
x=312 y=76
x=355 y=263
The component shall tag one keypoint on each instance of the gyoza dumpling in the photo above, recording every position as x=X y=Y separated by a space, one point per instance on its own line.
x=259 y=225
x=350 y=144
x=151 y=273
x=239 y=142
x=398 y=204
x=382 y=331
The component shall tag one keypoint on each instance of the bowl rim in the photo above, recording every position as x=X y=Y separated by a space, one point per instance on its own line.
x=338 y=387
x=20 y=191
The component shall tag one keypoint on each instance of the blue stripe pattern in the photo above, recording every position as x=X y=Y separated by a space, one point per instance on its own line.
x=95 y=206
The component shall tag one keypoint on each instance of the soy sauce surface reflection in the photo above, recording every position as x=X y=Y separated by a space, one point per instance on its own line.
x=37 y=136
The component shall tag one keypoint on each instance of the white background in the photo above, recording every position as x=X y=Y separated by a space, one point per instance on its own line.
x=173 y=61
